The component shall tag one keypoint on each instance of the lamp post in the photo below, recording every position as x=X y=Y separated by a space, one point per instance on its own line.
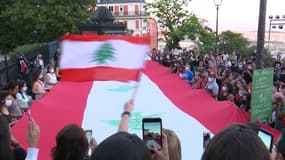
x=273 y=23
x=261 y=34
x=218 y=3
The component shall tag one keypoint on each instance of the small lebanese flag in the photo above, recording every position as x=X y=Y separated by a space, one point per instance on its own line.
x=91 y=57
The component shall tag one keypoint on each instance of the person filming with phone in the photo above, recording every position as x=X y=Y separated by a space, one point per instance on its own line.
x=125 y=146
x=10 y=149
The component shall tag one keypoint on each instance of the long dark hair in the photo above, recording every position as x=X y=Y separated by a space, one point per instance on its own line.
x=236 y=142
x=21 y=85
x=5 y=140
x=71 y=144
x=36 y=75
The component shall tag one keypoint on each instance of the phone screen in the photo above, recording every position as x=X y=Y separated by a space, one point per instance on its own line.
x=152 y=136
x=88 y=135
x=266 y=137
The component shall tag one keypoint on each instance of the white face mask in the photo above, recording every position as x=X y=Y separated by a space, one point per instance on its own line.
x=8 y=102
x=51 y=70
x=224 y=88
x=41 y=76
x=210 y=79
x=24 y=89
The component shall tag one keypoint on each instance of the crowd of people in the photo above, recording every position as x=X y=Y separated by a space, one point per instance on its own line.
x=33 y=84
x=226 y=77
x=236 y=142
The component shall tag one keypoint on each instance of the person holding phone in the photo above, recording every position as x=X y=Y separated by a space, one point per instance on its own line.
x=237 y=137
x=10 y=147
x=278 y=152
x=125 y=146
x=72 y=144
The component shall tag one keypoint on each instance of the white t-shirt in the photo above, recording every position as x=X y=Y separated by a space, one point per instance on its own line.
x=52 y=78
x=213 y=86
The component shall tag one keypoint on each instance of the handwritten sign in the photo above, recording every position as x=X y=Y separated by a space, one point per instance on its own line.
x=261 y=98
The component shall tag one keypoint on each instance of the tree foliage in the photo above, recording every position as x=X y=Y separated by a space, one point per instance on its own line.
x=35 y=21
x=177 y=23
x=230 y=42
x=203 y=36
x=170 y=16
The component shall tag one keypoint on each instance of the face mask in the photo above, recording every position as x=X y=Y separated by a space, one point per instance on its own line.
x=187 y=68
x=224 y=88
x=8 y=102
x=24 y=89
x=41 y=76
x=210 y=79
x=51 y=70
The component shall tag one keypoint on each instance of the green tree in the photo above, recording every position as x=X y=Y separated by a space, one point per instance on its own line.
x=104 y=53
x=34 y=21
x=203 y=36
x=230 y=42
x=171 y=15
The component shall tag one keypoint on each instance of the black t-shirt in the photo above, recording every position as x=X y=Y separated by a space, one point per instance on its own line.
x=282 y=77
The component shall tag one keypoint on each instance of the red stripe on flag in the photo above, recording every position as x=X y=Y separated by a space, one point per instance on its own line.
x=100 y=74
x=214 y=115
x=131 y=39
x=64 y=104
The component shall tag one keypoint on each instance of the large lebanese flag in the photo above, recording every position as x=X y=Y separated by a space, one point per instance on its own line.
x=92 y=57
x=97 y=105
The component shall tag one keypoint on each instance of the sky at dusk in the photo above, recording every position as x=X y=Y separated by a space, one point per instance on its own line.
x=236 y=14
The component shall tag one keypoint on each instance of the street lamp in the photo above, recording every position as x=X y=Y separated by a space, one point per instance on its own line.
x=273 y=23
x=217 y=3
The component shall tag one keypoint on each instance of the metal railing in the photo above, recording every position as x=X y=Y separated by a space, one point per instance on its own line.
x=10 y=69
x=129 y=14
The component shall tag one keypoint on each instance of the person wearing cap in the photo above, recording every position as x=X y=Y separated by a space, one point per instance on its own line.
x=212 y=86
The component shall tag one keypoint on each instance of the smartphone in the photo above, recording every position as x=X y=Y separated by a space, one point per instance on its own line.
x=88 y=134
x=266 y=137
x=206 y=139
x=152 y=133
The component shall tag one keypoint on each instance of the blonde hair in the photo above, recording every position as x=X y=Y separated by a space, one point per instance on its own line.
x=174 y=146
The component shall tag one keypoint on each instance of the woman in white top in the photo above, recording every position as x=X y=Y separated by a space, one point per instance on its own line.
x=50 y=78
x=23 y=99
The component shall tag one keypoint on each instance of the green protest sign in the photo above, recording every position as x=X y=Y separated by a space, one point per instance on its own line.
x=261 y=97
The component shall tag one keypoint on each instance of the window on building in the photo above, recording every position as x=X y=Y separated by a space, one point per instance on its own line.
x=111 y=8
x=116 y=10
x=136 y=10
x=121 y=8
x=137 y=24
x=125 y=10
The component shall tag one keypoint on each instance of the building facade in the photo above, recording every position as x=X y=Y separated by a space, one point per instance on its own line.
x=130 y=12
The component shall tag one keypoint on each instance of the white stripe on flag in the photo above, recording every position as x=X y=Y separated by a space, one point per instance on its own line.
x=105 y=103
x=79 y=54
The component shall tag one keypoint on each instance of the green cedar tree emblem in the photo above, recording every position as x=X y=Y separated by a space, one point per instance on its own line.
x=104 y=54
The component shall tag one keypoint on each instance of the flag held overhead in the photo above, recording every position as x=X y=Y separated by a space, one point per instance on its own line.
x=88 y=57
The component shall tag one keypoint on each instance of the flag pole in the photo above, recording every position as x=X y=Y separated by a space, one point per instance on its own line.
x=136 y=87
